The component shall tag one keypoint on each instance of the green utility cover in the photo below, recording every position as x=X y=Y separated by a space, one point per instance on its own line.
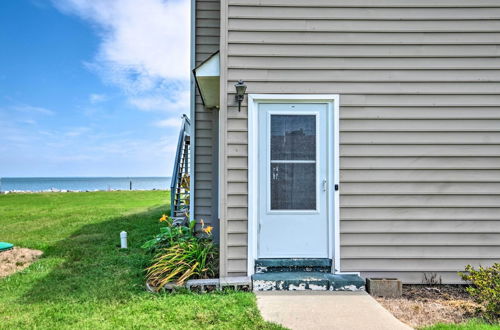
x=5 y=246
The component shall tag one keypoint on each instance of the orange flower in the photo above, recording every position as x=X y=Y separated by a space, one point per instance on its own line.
x=164 y=218
x=208 y=230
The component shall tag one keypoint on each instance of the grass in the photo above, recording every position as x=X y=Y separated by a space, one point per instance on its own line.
x=470 y=325
x=85 y=281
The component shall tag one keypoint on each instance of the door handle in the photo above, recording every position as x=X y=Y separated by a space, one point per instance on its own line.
x=324 y=184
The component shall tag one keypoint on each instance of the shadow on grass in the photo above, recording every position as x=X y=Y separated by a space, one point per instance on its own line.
x=90 y=265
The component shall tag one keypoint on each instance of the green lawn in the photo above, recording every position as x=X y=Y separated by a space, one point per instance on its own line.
x=84 y=281
x=471 y=325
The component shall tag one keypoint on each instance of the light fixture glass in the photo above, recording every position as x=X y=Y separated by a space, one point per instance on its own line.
x=240 y=92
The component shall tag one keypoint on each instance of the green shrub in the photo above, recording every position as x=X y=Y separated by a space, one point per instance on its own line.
x=485 y=289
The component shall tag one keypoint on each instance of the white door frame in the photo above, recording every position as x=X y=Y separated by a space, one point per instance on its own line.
x=333 y=169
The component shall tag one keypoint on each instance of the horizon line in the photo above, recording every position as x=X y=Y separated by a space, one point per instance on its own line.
x=105 y=176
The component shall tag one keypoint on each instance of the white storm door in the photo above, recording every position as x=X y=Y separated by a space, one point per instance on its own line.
x=293 y=180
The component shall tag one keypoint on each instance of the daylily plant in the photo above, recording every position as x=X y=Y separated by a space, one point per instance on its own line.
x=182 y=253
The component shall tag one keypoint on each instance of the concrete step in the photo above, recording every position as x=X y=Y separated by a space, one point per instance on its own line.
x=322 y=265
x=315 y=281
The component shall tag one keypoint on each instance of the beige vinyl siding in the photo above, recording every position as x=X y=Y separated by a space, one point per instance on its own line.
x=207 y=27
x=419 y=123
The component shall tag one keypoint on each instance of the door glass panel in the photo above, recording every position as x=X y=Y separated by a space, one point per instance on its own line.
x=293 y=162
x=293 y=137
x=293 y=186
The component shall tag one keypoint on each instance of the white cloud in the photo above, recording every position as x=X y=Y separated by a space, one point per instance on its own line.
x=97 y=98
x=28 y=121
x=171 y=122
x=33 y=109
x=144 y=44
x=176 y=102
x=76 y=131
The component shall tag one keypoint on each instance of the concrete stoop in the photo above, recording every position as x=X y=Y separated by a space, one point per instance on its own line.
x=316 y=281
x=302 y=274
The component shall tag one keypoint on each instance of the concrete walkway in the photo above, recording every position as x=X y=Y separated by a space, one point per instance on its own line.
x=326 y=310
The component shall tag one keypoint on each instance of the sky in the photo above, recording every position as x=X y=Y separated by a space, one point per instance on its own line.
x=92 y=88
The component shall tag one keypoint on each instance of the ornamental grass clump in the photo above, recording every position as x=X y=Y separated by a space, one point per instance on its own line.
x=485 y=289
x=182 y=261
x=182 y=253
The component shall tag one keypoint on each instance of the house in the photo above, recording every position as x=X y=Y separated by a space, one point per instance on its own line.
x=368 y=135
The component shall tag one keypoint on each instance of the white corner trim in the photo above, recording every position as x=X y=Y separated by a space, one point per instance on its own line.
x=192 y=111
x=253 y=166
x=333 y=168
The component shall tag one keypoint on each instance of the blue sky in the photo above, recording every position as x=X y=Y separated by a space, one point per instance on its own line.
x=92 y=88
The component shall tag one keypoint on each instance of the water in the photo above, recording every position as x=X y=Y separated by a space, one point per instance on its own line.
x=84 y=184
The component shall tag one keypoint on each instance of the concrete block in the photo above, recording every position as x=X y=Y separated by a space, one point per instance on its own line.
x=384 y=287
x=242 y=283
x=203 y=285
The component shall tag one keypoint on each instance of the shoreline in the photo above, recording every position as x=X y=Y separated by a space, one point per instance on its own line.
x=54 y=190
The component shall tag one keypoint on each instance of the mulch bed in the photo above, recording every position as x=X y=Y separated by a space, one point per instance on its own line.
x=17 y=259
x=423 y=305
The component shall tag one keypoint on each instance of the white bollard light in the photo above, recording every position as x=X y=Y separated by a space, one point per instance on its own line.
x=123 y=239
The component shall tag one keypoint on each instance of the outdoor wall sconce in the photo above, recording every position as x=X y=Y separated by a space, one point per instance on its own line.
x=240 y=92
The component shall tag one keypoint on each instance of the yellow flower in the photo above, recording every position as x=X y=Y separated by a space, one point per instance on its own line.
x=208 y=230
x=163 y=218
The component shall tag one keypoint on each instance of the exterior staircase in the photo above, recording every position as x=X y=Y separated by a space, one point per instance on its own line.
x=302 y=274
x=179 y=187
